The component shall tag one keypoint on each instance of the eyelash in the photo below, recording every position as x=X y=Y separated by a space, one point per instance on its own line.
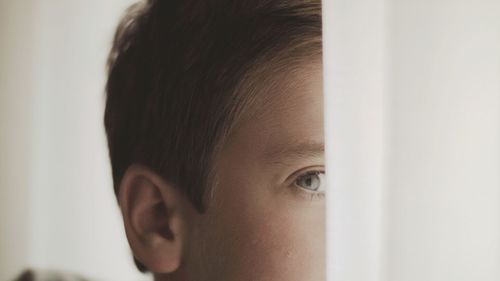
x=303 y=192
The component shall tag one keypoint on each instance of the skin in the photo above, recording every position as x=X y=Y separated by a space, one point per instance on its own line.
x=261 y=223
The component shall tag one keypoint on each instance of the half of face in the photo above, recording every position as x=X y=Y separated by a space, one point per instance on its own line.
x=266 y=219
x=266 y=215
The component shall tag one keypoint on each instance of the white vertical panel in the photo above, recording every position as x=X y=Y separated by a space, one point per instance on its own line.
x=355 y=69
x=432 y=212
x=444 y=193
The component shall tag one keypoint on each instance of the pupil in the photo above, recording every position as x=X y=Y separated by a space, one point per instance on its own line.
x=309 y=180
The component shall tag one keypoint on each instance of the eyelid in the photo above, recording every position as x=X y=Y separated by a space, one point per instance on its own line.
x=305 y=171
x=302 y=172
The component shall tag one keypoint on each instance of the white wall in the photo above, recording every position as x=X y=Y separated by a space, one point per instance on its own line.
x=57 y=205
x=16 y=94
x=434 y=103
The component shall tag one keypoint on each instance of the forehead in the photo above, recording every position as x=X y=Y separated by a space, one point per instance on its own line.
x=287 y=114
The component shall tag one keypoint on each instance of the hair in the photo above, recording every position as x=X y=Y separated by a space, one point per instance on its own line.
x=182 y=73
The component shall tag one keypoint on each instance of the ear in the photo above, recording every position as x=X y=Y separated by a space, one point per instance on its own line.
x=155 y=218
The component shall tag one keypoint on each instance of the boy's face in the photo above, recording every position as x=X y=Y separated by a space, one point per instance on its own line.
x=266 y=216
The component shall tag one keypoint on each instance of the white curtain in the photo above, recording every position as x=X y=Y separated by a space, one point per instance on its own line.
x=413 y=127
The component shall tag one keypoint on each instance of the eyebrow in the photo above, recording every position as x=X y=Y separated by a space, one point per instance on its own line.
x=294 y=151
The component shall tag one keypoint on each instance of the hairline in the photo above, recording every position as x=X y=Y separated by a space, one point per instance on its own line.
x=257 y=81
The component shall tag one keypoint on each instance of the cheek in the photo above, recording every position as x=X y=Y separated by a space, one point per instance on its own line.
x=268 y=237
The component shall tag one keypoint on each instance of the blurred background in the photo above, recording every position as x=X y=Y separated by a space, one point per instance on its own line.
x=413 y=123
x=57 y=207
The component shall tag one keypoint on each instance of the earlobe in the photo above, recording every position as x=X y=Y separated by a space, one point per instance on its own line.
x=155 y=223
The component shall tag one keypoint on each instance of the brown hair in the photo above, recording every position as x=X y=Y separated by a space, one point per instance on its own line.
x=180 y=73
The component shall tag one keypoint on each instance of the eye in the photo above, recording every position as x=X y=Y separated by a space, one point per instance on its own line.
x=313 y=181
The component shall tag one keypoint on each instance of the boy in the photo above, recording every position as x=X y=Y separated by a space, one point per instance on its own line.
x=214 y=119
